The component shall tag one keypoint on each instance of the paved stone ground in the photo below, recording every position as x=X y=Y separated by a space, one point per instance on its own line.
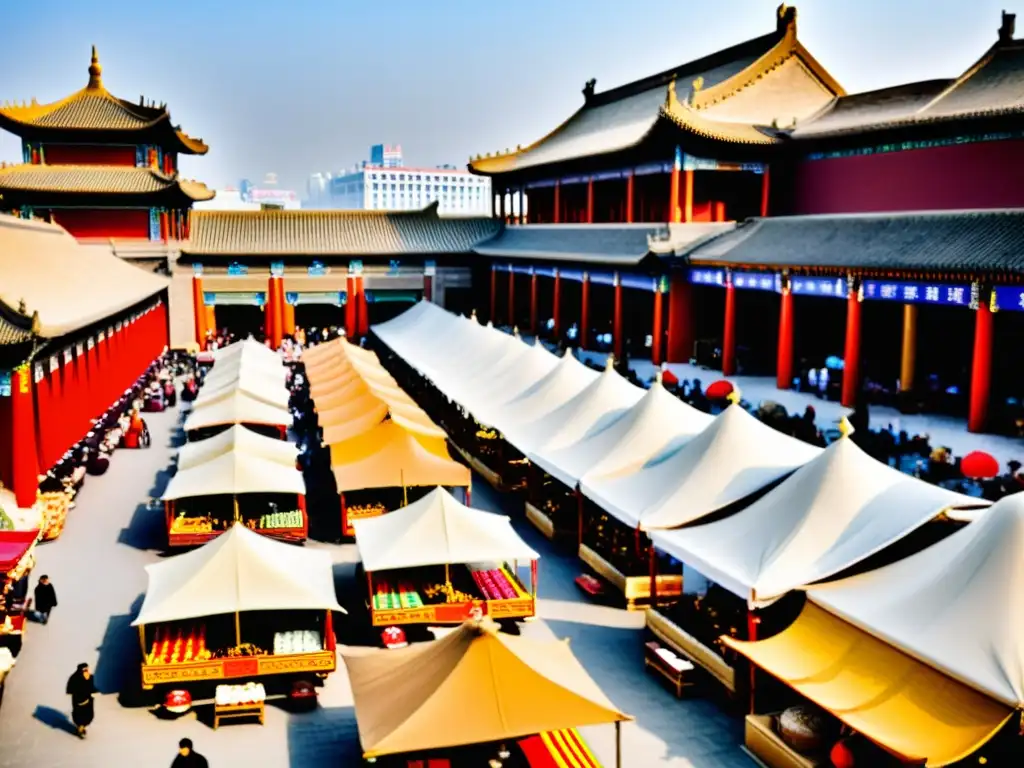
x=97 y=567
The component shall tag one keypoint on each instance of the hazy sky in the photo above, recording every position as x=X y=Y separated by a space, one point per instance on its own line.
x=297 y=86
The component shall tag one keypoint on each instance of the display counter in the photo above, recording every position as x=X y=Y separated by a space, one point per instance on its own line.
x=634 y=588
x=488 y=474
x=182 y=531
x=540 y=521
x=766 y=747
x=318 y=662
x=687 y=646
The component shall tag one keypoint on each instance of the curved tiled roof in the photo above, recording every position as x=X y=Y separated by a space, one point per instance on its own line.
x=990 y=241
x=692 y=121
x=94 y=108
x=341 y=233
x=96 y=179
x=624 y=244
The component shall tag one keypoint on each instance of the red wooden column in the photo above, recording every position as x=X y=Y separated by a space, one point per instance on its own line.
x=617 y=340
x=494 y=292
x=350 y=305
x=584 y=311
x=521 y=192
x=362 y=308
x=273 y=333
x=657 y=326
x=199 y=309
x=590 y=201
x=629 y=198
x=557 y=215
x=784 y=363
x=766 y=184
x=429 y=270
x=981 y=367
x=533 y=300
x=674 y=214
x=557 y=305
x=287 y=318
x=851 y=355
x=511 y=297
x=687 y=205
x=729 y=329
x=680 y=320
x=24 y=448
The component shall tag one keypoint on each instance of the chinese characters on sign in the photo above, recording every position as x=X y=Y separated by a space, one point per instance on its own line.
x=707 y=277
x=757 y=281
x=1009 y=298
x=918 y=293
x=828 y=287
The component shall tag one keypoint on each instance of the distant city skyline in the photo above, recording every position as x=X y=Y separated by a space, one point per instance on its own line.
x=291 y=89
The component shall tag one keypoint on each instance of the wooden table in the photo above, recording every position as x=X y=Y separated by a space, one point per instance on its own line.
x=233 y=711
x=674 y=674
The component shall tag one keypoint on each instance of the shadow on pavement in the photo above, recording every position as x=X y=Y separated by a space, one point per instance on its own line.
x=59 y=721
x=117 y=668
x=326 y=736
x=147 y=530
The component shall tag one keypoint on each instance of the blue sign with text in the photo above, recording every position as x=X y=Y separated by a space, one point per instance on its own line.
x=828 y=287
x=708 y=277
x=757 y=281
x=1009 y=298
x=918 y=293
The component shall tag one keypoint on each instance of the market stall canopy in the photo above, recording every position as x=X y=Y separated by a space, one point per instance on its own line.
x=657 y=424
x=471 y=374
x=955 y=605
x=566 y=380
x=235 y=473
x=513 y=376
x=592 y=409
x=408 y=417
x=734 y=458
x=473 y=686
x=238 y=408
x=270 y=392
x=14 y=545
x=322 y=354
x=438 y=530
x=247 y=348
x=885 y=694
x=389 y=457
x=70 y=286
x=238 y=439
x=834 y=512
x=240 y=369
x=348 y=384
x=238 y=571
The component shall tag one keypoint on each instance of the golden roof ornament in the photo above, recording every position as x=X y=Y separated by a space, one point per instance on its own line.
x=698 y=83
x=659 y=376
x=671 y=97
x=22 y=307
x=95 y=71
x=609 y=362
x=845 y=427
x=37 y=325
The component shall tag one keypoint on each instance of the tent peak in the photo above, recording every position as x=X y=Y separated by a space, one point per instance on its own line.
x=609 y=363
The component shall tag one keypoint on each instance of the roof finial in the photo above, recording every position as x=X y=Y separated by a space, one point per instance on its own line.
x=95 y=71
x=1007 y=28
x=671 y=97
x=22 y=307
x=845 y=427
x=588 y=89
x=609 y=363
x=786 y=18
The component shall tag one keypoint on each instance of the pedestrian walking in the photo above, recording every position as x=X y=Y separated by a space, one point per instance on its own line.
x=187 y=757
x=45 y=600
x=81 y=688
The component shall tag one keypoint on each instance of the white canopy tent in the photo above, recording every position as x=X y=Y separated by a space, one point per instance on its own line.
x=567 y=379
x=834 y=512
x=238 y=571
x=657 y=424
x=248 y=348
x=594 y=407
x=734 y=458
x=238 y=408
x=258 y=387
x=955 y=606
x=241 y=440
x=235 y=473
x=247 y=370
x=437 y=530
x=479 y=380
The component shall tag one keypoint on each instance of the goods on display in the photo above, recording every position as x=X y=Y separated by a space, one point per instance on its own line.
x=388 y=599
x=237 y=695
x=297 y=641
x=497 y=584
x=446 y=593
x=359 y=511
x=55 y=506
x=275 y=520
x=204 y=524
x=181 y=646
x=6 y=661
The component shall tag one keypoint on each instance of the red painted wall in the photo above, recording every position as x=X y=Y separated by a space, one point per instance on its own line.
x=981 y=175
x=101 y=223
x=70 y=154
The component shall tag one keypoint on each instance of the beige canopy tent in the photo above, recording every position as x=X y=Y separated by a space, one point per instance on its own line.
x=241 y=440
x=734 y=458
x=475 y=685
x=237 y=408
x=659 y=423
x=268 y=391
x=834 y=512
x=438 y=530
x=388 y=456
x=240 y=369
x=247 y=348
x=238 y=571
x=233 y=473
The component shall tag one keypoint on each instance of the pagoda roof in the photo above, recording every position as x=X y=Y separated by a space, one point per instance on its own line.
x=94 y=110
x=334 y=232
x=732 y=96
x=97 y=179
x=950 y=242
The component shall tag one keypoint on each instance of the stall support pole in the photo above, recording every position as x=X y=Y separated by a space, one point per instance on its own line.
x=652 y=564
x=618 y=744
x=533 y=578
x=234 y=500
x=579 y=518
x=469 y=495
x=447 y=575
x=238 y=630
x=405 y=494
x=142 y=641
x=752 y=622
x=344 y=513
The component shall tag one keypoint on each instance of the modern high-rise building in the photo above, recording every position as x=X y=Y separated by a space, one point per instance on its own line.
x=381 y=186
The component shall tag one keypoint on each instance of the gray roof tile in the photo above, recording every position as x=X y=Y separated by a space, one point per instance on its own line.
x=623 y=244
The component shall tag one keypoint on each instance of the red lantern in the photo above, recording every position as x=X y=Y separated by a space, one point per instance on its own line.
x=841 y=756
x=178 y=702
x=394 y=637
x=719 y=390
x=979 y=465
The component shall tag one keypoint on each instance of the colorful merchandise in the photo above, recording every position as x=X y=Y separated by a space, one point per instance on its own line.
x=278 y=520
x=297 y=641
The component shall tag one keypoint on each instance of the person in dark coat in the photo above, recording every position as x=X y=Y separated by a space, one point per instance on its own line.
x=45 y=599
x=187 y=757
x=81 y=688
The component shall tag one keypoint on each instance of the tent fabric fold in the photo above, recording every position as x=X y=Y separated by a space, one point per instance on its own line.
x=237 y=408
x=472 y=686
x=438 y=530
x=887 y=695
x=240 y=439
x=235 y=472
x=833 y=512
x=238 y=571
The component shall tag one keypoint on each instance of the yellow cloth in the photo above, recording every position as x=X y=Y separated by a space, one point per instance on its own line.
x=903 y=704
x=388 y=456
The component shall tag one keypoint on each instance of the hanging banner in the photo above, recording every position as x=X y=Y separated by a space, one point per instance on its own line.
x=1009 y=298
x=829 y=287
x=68 y=355
x=5 y=383
x=757 y=281
x=918 y=293
x=708 y=277
x=54 y=363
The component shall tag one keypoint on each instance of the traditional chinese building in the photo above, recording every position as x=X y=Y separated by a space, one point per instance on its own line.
x=77 y=327
x=101 y=166
x=680 y=212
